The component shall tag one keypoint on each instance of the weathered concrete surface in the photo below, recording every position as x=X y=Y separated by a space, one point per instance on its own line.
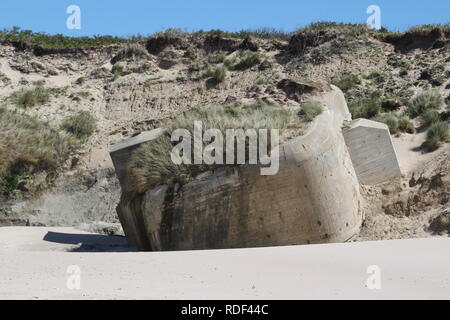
x=372 y=152
x=121 y=151
x=314 y=198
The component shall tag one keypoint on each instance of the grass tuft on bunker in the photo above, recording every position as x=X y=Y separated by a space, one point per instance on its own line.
x=151 y=165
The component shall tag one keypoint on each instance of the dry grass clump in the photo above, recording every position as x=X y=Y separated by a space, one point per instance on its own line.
x=429 y=117
x=218 y=73
x=424 y=101
x=151 y=164
x=29 y=146
x=161 y=40
x=437 y=135
x=309 y=110
x=405 y=124
x=365 y=108
x=396 y=123
x=27 y=98
x=348 y=82
x=248 y=59
x=82 y=125
x=131 y=51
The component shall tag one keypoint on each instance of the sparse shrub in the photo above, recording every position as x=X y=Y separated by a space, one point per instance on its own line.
x=39 y=83
x=26 y=98
x=395 y=123
x=230 y=62
x=269 y=33
x=365 y=108
x=348 y=82
x=390 y=120
x=248 y=59
x=309 y=110
x=430 y=99
x=131 y=51
x=29 y=146
x=405 y=124
x=161 y=40
x=429 y=118
x=218 y=73
x=436 y=135
x=81 y=125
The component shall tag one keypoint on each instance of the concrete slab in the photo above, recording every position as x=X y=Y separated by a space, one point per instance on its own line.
x=372 y=152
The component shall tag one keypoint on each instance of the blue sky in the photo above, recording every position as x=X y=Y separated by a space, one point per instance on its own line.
x=124 y=18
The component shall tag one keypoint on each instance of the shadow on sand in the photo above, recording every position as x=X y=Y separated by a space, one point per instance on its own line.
x=89 y=242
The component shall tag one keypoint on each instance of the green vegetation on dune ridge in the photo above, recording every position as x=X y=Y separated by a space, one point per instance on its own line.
x=312 y=32
x=151 y=165
x=58 y=41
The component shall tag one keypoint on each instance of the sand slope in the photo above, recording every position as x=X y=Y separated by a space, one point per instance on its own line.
x=34 y=265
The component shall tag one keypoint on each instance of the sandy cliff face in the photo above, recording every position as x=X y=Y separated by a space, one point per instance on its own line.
x=130 y=94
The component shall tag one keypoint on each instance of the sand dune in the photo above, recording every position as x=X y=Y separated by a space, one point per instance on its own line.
x=35 y=263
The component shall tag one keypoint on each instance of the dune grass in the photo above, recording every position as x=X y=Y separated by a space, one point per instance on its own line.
x=81 y=125
x=29 y=146
x=151 y=165
x=427 y=100
x=27 y=98
x=218 y=73
x=131 y=51
x=309 y=110
x=437 y=134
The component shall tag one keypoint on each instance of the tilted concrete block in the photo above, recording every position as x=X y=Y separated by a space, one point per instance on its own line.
x=121 y=152
x=372 y=152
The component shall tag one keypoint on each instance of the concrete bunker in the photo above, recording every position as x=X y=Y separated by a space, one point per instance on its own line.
x=314 y=197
